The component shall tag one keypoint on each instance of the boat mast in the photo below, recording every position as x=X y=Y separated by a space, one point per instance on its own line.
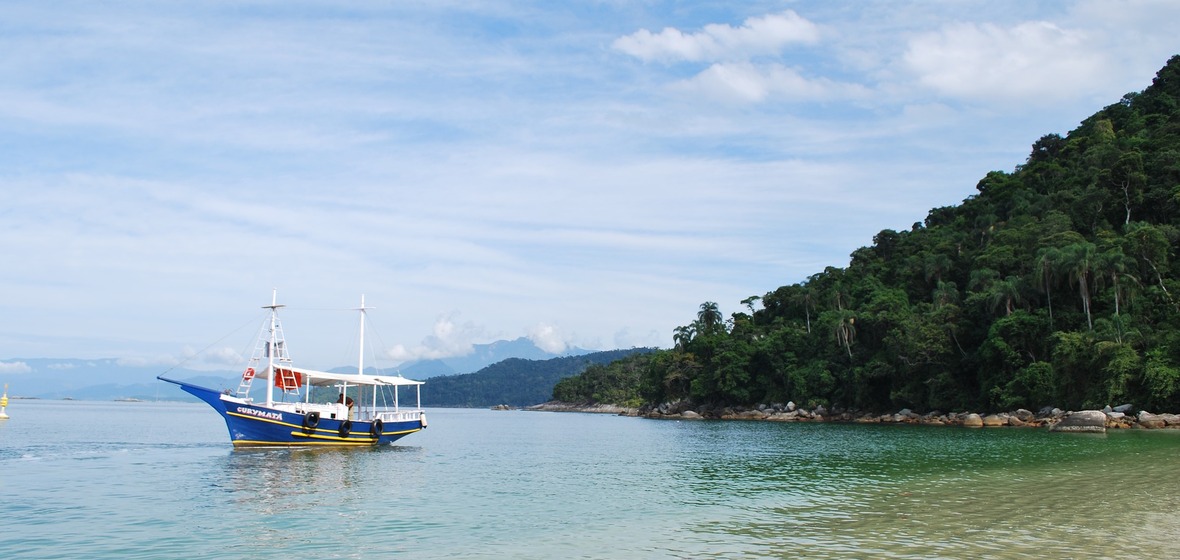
x=360 y=365
x=271 y=349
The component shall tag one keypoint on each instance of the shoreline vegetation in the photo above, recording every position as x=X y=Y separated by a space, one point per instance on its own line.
x=1057 y=283
x=1055 y=419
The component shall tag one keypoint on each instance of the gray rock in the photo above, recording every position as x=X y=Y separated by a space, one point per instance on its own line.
x=1115 y=415
x=820 y=410
x=994 y=421
x=1170 y=419
x=790 y=406
x=1124 y=408
x=972 y=420
x=1023 y=415
x=1107 y=408
x=1045 y=411
x=690 y=415
x=905 y=412
x=1091 y=421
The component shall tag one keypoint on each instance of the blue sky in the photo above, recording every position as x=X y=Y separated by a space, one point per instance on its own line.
x=583 y=173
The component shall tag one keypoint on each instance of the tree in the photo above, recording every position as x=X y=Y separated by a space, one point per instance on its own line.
x=709 y=319
x=1046 y=274
x=844 y=328
x=1079 y=260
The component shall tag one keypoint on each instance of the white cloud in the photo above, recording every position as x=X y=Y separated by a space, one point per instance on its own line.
x=748 y=82
x=757 y=36
x=223 y=356
x=1036 y=62
x=548 y=338
x=449 y=339
x=15 y=367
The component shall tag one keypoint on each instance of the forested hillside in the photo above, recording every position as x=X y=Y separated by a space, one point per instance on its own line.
x=514 y=381
x=1057 y=284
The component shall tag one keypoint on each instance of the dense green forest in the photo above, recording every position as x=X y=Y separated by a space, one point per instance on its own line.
x=514 y=381
x=1056 y=284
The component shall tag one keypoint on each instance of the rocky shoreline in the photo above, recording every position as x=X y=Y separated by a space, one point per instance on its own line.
x=1119 y=417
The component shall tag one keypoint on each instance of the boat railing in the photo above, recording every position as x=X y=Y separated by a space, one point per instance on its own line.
x=326 y=410
x=398 y=415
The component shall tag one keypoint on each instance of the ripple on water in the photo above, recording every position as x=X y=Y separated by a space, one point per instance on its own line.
x=522 y=485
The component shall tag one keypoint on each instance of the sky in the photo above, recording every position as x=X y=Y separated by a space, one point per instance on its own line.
x=585 y=174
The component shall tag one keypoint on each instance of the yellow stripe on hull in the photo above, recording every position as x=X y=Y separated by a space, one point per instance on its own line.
x=253 y=443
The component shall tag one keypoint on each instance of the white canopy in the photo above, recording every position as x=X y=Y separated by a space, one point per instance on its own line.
x=328 y=379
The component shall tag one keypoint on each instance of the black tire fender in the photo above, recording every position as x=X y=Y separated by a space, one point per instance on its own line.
x=311 y=420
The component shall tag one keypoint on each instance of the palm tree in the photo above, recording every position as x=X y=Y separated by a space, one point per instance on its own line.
x=945 y=293
x=845 y=329
x=709 y=318
x=1048 y=259
x=683 y=335
x=806 y=299
x=946 y=299
x=1079 y=260
x=935 y=265
x=1006 y=291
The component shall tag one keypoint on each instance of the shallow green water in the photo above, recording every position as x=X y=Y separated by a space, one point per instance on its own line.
x=150 y=480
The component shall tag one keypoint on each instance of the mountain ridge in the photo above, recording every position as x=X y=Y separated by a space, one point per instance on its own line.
x=113 y=378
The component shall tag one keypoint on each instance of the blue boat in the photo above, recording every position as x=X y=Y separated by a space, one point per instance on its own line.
x=288 y=417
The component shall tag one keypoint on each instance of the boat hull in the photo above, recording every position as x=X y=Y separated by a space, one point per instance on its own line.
x=253 y=425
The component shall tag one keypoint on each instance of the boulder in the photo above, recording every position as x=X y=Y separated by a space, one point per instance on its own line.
x=1124 y=408
x=1023 y=415
x=790 y=406
x=1016 y=421
x=994 y=421
x=972 y=420
x=690 y=415
x=1089 y=421
x=1114 y=415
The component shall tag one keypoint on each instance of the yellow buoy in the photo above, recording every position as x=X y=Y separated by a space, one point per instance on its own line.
x=4 y=403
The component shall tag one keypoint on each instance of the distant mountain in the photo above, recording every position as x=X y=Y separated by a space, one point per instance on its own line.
x=101 y=379
x=110 y=378
x=515 y=381
x=483 y=355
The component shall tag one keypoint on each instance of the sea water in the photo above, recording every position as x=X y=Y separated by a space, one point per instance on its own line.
x=160 y=480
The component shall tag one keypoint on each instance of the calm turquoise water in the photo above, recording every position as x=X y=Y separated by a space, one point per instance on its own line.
x=152 y=480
